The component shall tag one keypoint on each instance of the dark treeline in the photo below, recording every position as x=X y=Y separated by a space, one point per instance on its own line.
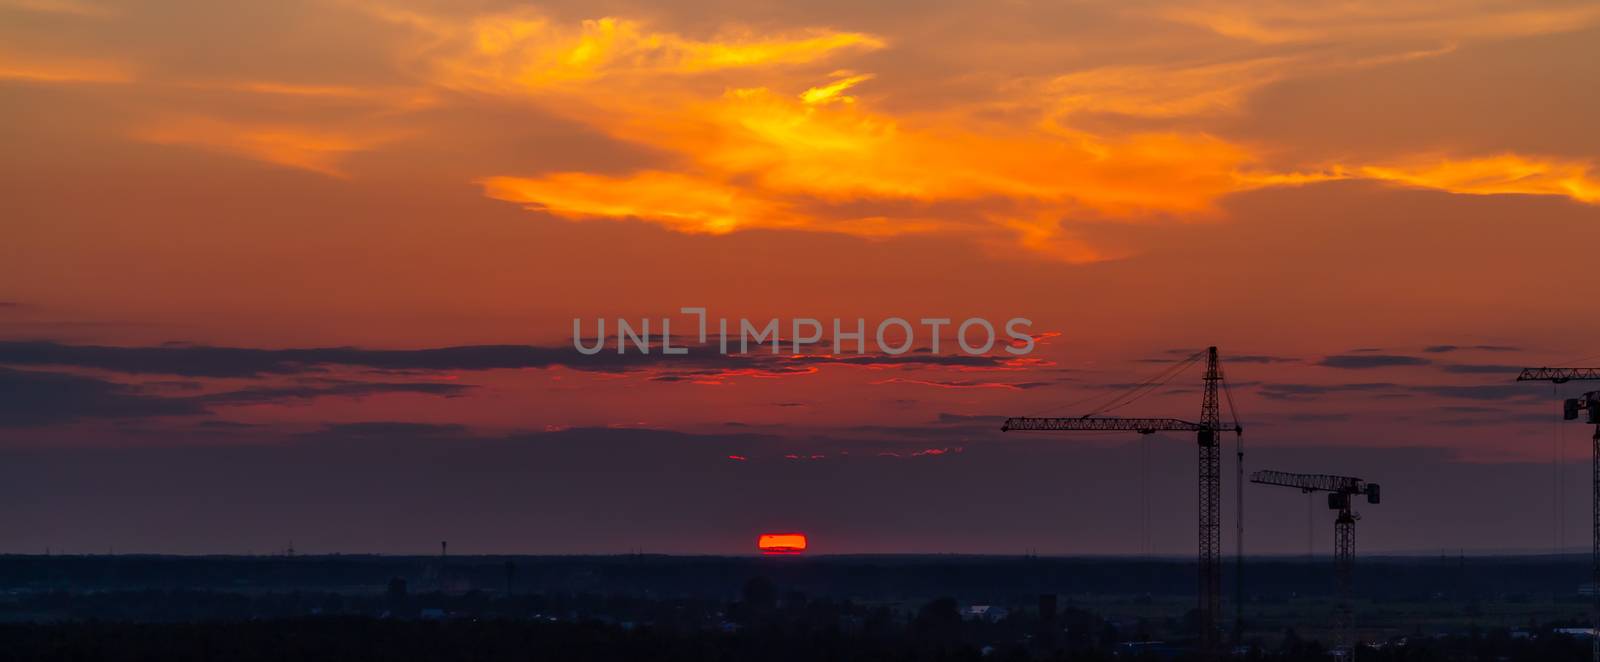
x=897 y=577
x=932 y=636
x=709 y=608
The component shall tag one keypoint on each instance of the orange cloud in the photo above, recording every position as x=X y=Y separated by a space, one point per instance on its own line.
x=680 y=202
x=389 y=97
x=754 y=134
x=1165 y=90
x=316 y=150
x=842 y=152
x=750 y=152
x=1503 y=174
x=1289 y=21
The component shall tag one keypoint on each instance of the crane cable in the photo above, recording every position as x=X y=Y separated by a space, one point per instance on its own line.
x=1227 y=393
x=1238 y=514
x=1578 y=360
x=1166 y=375
x=1146 y=387
x=1558 y=497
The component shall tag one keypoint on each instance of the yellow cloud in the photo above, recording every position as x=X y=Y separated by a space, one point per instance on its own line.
x=840 y=152
x=680 y=202
x=833 y=92
x=526 y=52
x=683 y=203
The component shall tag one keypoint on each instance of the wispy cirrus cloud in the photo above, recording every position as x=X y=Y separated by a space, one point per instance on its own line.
x=1496 y=175
x=1287 y=22
x=520 y=52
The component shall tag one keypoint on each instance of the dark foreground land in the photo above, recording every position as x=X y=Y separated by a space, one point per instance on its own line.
x=789 y=608
x=354 y=639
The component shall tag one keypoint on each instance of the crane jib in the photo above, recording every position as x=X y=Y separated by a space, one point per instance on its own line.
x=1209 y=476
x=1140 y=425
x=1558 y=375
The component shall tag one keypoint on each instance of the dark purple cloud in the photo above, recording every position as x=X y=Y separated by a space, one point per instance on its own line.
x=208 y=361
x=32 y=397
x=1481 y=369
x=1307 y=391
x=1442 y=349
x=1366 y=361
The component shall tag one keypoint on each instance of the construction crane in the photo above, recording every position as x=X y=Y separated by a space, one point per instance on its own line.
x=1589 y=402
x=1340 y=489
x=1210 y=469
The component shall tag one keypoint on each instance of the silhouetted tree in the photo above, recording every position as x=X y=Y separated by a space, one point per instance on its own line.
x=938 y=621
x=760 y=594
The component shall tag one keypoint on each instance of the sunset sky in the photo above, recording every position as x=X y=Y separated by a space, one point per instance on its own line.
x=307 y=270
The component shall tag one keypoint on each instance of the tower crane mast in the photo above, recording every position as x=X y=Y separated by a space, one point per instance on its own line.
x=1589 y=402
x=1206 y=432
x=1340 y=489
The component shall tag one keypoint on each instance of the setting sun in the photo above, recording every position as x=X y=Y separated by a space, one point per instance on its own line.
x=781 y=543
